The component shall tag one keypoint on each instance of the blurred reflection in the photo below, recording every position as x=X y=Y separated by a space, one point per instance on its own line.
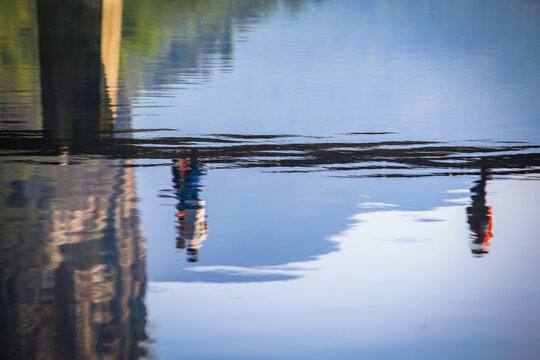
x=171 y=42
x=20 y=106
x=479 y=216
x=79 y=47
x=111 y=34
x=191 y=215
x=72 y=278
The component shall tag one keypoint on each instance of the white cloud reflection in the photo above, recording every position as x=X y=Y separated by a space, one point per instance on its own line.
x=250 y=271
x=375 y=205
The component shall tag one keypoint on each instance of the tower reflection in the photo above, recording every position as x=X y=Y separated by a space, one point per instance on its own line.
x=479 y=216
x=191 y=215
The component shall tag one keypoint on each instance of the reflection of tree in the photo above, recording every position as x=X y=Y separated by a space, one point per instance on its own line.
x=19 y=71
x=167 y=41
x=479 y=216
x=191 y=215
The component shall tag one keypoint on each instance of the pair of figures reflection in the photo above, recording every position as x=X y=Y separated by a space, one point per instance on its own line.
x=191 y=225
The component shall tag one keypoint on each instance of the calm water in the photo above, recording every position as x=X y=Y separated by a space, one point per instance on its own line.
x=269 y=179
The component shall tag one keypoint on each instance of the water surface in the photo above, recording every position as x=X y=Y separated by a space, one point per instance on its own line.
x=269 y=179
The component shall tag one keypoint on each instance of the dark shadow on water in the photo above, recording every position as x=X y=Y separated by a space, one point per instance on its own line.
x=362 y=159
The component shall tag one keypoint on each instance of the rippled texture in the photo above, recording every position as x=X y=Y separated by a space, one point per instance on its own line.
x=269 y=179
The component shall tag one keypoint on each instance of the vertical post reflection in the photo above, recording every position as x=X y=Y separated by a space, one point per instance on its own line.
x=191 y=215
x=111 y=34
x=479 y=216
x=72 y=51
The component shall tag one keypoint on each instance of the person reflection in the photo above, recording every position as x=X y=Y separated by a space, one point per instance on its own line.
x=479 y=216
x=191 y=215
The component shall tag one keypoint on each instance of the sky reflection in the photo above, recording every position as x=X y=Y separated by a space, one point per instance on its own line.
x=397 y=288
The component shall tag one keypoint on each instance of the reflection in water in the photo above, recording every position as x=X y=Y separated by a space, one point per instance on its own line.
x=73 y=278
x=79 y=47
x=191 y=215
x=111 y=33
x=170 y=42
x=74 y=99
x=479 y=216
x=299 y=154
x=72 y=263
x=20 y=98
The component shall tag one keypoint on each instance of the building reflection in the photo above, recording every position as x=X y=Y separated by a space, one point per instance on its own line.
x=73 y=278
x=191 y=224
x=479 y=216
x=72 y=275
